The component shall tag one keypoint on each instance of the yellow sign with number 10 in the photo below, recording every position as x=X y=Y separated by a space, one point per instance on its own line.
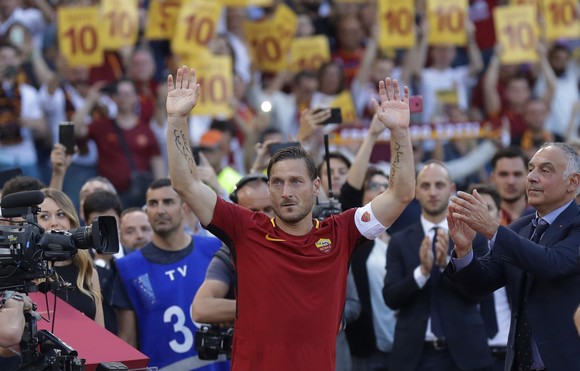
x=396 y=23
x=120 y=23
x=517 y=32
x=562 y=19
x=196 y=27
x=215 y=77
x=78 y=35
x=447 y=22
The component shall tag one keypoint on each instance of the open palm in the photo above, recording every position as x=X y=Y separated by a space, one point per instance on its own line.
x=392 y=112
x=182 y=96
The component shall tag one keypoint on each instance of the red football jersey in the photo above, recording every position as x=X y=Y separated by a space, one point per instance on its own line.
x=290 y=289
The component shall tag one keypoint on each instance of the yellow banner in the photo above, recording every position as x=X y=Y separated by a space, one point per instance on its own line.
x=517 y=32
x=215 y=76
x=243 y=3
x=196 y=26
x=344 y=101
x=270 y=40
x=161 y=19
x=308 y=53
x=562 y=19
x=120 y=23
x=447 y=22
x=78 y=35
x=396 y=24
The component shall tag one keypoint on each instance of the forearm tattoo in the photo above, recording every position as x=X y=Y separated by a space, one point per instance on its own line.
x=182 y=144
x=398 y=154
x=396 y=161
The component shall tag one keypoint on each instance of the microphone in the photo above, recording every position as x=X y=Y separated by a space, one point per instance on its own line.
x=18 y=204
x=22 y=199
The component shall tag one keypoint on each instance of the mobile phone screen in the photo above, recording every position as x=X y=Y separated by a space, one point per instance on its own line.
x=335 y=117
x=66 y=137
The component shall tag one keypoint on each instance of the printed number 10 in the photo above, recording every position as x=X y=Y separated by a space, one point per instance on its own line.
x=82 y=40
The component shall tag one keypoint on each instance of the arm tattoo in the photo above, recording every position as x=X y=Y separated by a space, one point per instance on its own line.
x=182 y=144
x=398 y=154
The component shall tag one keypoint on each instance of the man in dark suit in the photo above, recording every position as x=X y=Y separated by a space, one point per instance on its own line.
x=439 y=327
x=535 y=258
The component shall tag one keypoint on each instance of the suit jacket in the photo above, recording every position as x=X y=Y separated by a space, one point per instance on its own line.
x=552 y=293
x=461 y=320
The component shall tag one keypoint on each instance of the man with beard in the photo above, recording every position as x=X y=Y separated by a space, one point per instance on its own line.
x=508 y=175
x=161 y=280
x=292 y=269
x=438 y=326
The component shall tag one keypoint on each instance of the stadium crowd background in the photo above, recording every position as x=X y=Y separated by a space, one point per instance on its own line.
x=250 y=104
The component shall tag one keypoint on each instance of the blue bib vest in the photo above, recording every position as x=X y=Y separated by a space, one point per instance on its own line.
x=161 y=295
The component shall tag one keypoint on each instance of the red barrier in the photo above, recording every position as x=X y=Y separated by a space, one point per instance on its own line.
x=92 y=342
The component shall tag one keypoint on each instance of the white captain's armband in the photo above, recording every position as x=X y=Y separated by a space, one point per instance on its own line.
x=366 y=222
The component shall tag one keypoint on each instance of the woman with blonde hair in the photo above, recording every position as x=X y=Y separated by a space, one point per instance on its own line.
x=57 y=213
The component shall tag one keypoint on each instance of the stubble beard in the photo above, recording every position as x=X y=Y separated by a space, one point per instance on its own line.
x=514 y=199
x=441 y=210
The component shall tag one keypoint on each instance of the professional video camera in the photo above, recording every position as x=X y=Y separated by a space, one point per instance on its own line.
x=211 y=341
x=27 y=252
x=325 y=209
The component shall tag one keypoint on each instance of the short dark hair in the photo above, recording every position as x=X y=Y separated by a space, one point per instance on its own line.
x=160 y=183
x=559 y=47
x=509 y=152
x=249 y=179
x=100 y=201
x=294 y=153
x=337 y=155
x=486 y=189
x=22 y=183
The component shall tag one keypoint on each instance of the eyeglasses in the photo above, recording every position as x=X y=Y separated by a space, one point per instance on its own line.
x=374 y=186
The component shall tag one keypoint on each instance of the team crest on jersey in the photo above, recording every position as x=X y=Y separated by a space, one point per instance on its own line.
x=366 y=217
x=324 y=245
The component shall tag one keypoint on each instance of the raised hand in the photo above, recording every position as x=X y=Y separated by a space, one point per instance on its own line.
x=376 y=128
x=392 y=112
x=182 y=96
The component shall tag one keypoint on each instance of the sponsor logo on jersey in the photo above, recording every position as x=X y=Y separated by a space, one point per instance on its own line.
x=268 y=238
x=324 y=245
x=366 y=217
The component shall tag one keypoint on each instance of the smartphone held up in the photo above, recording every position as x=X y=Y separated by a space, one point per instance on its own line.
x=66 y=136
